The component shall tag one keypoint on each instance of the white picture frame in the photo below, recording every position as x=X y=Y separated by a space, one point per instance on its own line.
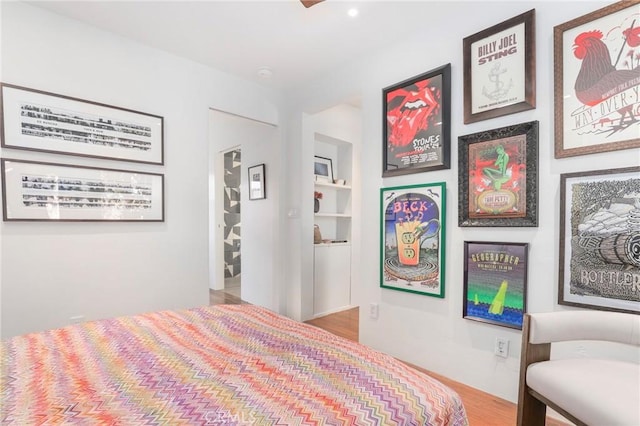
x=323 y=169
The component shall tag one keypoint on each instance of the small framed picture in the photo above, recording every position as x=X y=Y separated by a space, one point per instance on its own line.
x=412 y=234
x=323 y=169
x=416 y=124
x=498 y=177
x=597 y=81
x=495 y=282
x=257 y=183
x=500 y=69
x=600 y=239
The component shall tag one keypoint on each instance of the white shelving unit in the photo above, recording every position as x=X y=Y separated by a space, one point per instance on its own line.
x=332 y=258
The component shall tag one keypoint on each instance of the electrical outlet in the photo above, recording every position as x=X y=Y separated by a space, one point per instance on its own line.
x=373 y=311
x=502 y=347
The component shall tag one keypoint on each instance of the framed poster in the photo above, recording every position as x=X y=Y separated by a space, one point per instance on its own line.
x=495 y=282
x=257 y=183
x=600 y=239
x=34 y=191
x=500 y=69
x=597 y=81
x=416 y=124
x=42 y=121
x=498 y=177
x=412 y=250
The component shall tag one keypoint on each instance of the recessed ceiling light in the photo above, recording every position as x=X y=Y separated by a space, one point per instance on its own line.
x=265 y=73
x=353 y=12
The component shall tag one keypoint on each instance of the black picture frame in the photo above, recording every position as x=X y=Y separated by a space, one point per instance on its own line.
x=600 y=240
x=495 y=282
x=36 y=120
x=512 y=42
x=416 y=124
x=39 y=191
x=257 y=182
x=499 y=196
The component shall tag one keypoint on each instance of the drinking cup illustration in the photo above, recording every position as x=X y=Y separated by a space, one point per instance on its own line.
x=409 y=237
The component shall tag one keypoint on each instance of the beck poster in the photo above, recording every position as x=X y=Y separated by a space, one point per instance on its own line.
x=412 y=238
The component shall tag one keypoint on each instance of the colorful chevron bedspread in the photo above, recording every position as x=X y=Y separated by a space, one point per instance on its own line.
x=216 y=365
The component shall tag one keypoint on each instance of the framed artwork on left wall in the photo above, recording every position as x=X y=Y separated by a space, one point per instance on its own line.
x=41 y=121
x=36 y=191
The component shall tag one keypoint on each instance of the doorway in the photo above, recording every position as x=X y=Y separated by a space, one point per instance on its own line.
x=232 y=222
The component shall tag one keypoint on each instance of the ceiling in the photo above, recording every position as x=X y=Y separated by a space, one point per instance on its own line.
x=240 y=37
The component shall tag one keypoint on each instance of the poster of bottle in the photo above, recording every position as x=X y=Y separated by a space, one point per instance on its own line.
x=600 y=239
x=412 y=238
x=416 y=124
x=495 y=282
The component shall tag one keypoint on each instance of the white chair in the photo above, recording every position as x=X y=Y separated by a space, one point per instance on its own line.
x=587 y=391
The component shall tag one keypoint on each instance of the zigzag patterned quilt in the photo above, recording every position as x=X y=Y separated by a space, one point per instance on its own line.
x=217 y=365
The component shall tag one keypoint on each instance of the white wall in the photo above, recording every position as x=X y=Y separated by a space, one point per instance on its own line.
x=429 y=331
x=51 y=271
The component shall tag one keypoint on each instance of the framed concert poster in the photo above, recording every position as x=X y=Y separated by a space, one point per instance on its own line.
x=498 y=177
x=597 y=81
x=416 y=124
x=495 y=282
x=500 y=69
x=600 y=239
x=412 y=240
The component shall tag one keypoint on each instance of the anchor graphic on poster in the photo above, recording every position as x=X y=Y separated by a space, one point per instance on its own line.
x=499 y=90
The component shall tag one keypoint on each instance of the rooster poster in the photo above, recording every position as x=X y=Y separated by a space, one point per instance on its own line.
x=416 y=124
x=598 y=85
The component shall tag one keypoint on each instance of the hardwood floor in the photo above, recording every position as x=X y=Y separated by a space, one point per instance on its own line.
x=483 y=409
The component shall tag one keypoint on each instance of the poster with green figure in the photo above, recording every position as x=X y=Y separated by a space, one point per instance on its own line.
x=495 y=278
x=497 y=178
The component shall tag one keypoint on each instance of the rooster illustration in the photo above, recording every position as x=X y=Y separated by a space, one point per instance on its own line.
x=598 y=79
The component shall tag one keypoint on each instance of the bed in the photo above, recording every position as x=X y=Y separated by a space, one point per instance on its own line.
x=223 y=364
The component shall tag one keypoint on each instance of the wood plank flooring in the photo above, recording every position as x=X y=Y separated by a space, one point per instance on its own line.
x=483 y=409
